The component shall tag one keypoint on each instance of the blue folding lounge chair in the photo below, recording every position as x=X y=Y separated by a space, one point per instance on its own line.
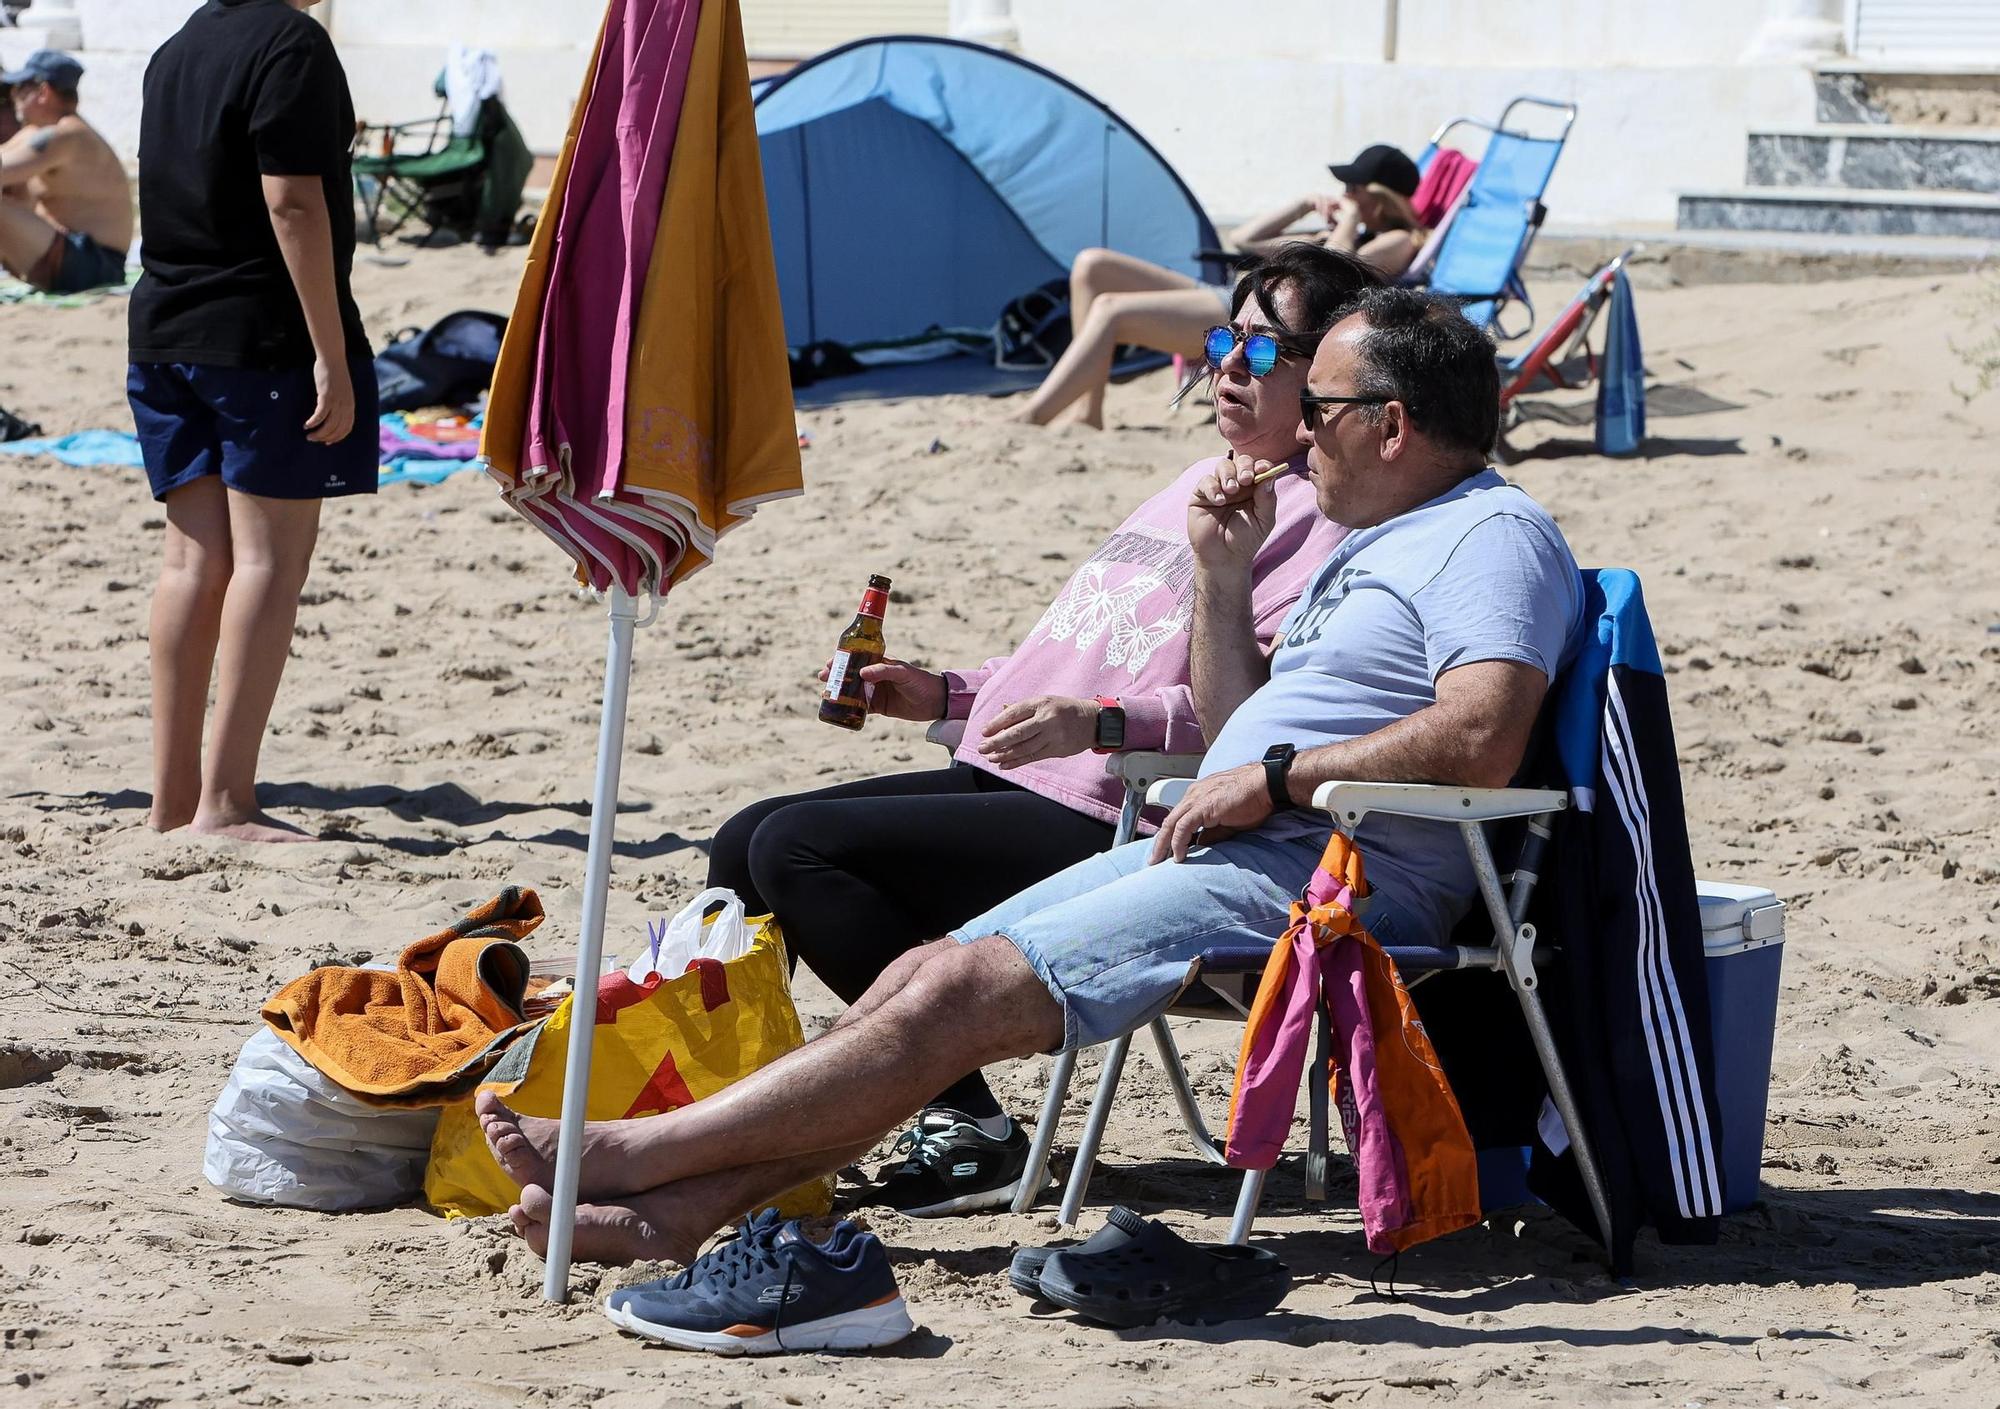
x=1485 y=241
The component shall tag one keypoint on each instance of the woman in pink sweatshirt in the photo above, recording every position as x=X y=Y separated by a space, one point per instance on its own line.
x=860 y=873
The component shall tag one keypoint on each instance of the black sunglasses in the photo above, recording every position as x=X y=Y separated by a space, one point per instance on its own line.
x=1309 y=405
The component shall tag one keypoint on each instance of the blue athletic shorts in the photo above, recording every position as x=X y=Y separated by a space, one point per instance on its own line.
x=248 y=426
x=1112 y=937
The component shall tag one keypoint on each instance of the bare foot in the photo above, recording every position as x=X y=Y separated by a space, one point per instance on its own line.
x=525 y=1147
x=659 y=1225
x=257 y=826
x=169 y=819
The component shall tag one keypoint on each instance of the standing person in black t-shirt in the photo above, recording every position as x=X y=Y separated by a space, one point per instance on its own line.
x=251 y=385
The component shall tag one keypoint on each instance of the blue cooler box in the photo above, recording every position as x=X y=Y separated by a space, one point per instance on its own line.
x=1743 y=933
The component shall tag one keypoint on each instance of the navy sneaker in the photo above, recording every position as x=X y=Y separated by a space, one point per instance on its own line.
x=772 y=1289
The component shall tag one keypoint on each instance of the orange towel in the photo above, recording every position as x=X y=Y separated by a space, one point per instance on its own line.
x=1418 y=1173
x=424 y=1032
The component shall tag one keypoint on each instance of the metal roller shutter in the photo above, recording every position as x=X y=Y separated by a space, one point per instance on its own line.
x=1965 y=31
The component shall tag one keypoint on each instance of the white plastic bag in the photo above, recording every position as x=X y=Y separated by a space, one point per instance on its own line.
x=282 y=1133
x=671 y=945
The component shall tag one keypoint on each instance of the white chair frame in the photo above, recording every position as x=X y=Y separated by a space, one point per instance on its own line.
x=1160 y=780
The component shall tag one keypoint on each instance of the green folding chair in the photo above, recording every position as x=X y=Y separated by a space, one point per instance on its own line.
x=422 y=170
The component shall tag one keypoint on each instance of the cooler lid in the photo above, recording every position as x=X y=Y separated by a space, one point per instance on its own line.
x=1738 y=917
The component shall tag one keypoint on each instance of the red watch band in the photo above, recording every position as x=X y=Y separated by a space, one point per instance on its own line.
x=1107 y=702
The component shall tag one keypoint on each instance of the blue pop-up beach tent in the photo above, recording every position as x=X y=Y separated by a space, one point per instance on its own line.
x=920 y=184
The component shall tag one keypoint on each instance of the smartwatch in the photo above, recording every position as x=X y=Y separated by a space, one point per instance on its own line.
x=1278 y=763
x=1110 y=726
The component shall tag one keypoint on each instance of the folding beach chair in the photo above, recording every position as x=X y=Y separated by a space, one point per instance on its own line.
x=1562 y=357
x=1224 y=980
x=1222 y=985
x=1552 y=356
x=1477 y=251
x=422 y=170
x=1636 y=989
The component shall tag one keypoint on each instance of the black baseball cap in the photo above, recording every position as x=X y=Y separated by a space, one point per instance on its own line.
x=50 y=66
x=1380 y=165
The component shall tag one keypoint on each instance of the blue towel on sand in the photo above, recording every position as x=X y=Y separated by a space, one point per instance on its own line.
x=120 y=450
x=83 y=448
x=1621 y=380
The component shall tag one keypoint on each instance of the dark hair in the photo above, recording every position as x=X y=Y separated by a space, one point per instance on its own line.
x=1422 y=351
x=1326 y=281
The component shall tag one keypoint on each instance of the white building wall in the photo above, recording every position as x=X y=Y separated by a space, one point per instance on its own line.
x=392 y=51
x=1249 y=112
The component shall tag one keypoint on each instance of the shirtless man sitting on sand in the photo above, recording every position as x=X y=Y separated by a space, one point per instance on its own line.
x=65 y=202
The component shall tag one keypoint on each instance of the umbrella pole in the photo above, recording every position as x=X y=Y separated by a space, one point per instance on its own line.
x=590 y=955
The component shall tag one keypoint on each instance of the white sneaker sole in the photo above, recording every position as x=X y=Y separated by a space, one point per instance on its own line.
x=971 y=1203
x=869 y=1328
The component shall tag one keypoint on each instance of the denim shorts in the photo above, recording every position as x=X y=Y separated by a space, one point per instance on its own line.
x=1113 y=937
x=248 y=426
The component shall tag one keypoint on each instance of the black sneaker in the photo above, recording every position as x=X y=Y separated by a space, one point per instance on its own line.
x=952 y=1166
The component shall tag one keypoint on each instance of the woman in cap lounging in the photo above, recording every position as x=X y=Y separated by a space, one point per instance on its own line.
x=861 y=873
x=1116 y=300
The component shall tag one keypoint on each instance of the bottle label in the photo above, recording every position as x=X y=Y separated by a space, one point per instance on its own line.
x=836 y=674
x=874 y=602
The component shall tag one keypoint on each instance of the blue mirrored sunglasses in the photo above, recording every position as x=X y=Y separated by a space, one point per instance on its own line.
x=1260 y=350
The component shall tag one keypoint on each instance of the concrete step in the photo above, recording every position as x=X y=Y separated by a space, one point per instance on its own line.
x=1928 y=95
x=1879 y=157
x=1669 y=258
x=1828 y=210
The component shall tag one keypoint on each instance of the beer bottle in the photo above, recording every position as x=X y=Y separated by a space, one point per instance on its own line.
x=846 y=702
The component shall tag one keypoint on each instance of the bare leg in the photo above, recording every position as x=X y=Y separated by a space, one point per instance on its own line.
x=1170 y=320
x=24 y=238
x=671 y=1223
x=525 y=1146
x=1111 y=273
x=272 y=542
x=892 y=980
x=186 y=620
x=959 y=1010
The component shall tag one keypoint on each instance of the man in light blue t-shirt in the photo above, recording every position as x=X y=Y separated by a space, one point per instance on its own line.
x=1420 y=652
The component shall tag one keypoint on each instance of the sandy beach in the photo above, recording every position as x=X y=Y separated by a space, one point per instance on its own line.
x=1815 y=524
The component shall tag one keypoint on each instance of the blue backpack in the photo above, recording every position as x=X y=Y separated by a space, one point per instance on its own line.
x=448 y=364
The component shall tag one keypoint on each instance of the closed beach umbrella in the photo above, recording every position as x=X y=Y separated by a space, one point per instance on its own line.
x=642 y=401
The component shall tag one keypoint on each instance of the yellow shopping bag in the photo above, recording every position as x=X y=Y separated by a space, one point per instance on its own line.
x=658 y=1046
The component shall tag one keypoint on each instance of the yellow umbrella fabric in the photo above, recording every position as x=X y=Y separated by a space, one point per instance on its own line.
x=709 y=428
x=708 y=414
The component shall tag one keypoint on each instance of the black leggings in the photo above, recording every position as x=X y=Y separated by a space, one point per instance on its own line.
x=861 y=873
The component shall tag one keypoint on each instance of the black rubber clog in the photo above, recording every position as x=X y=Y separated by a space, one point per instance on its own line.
x=1153 y=1274
x=1025 y=1271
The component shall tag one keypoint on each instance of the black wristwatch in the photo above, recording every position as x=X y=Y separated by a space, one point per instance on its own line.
x=1110 y=726
x=1277 y=764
